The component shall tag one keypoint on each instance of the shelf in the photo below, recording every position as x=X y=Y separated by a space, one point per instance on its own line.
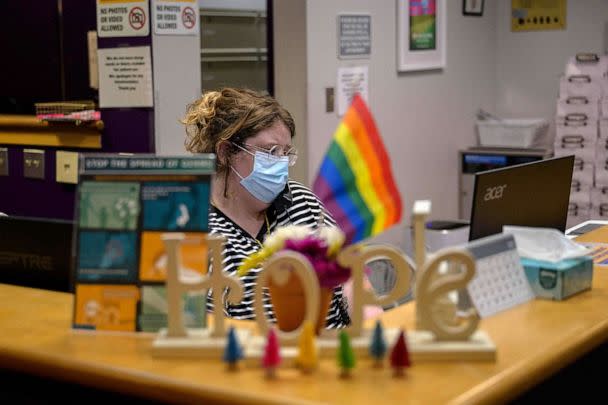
x=28 y=130
x=232 y=13
x=234 y=59
x=233 y=55
x=215 y=51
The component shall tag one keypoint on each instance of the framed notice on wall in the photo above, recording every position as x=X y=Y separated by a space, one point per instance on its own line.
x=421 y=30
x=125 y=204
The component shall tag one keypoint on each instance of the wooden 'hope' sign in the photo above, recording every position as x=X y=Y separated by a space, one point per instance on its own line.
x=441 y=334
x=434 y=312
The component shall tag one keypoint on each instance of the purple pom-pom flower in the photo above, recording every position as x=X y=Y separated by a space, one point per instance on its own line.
x=329 y=272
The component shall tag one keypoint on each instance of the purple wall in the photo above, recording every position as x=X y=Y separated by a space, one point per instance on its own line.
x=33 y=197
x=125 y=129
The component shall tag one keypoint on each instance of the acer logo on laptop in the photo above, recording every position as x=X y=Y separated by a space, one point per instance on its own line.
x=494 y=193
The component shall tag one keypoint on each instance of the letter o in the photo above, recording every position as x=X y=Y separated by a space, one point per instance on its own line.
x=276 y=269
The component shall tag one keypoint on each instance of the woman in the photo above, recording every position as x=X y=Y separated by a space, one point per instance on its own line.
x=251 y=195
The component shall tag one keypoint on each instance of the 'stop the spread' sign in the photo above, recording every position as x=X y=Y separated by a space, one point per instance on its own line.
x=123 y=18
x=175 y=17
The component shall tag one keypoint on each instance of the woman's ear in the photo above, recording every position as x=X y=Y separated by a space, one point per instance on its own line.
x=223 y=153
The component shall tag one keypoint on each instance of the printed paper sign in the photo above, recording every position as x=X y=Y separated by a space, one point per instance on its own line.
x=154 y=308
x=354 y=36
x=107 y=256
x=351 y=80
x=153 y=258
x=125 y=77
x=175 y=17
x=106 y=307
x=120 y=18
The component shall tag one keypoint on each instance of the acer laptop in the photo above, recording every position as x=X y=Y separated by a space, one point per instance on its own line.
x=36 y=252
x=530 y=194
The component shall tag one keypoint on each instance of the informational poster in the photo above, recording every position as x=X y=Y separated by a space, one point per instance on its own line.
x=423 y=27
x=124 y=206
x=125 y=77
x=354 y=36
x=123 y=18
x=538 y=15
x=175 y=17
x=351 y=80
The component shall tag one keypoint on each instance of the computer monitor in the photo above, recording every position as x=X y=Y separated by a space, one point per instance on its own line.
x=531 y=194
x=36 y=252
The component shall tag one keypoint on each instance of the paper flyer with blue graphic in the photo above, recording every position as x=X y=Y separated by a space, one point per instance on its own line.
x=175 y=206
x=154 y=309
x=107 y=256
x=109 y=205
x=124 y=206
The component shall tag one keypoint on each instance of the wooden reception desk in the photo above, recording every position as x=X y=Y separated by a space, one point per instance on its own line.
x=534 y=341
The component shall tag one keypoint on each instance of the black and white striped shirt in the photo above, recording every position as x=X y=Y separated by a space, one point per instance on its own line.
x=296 y=205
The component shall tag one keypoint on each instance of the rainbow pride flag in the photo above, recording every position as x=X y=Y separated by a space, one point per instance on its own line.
x=355 y=181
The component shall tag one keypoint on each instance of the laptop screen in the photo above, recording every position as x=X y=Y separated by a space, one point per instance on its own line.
x=36 y=252
x=530 y=194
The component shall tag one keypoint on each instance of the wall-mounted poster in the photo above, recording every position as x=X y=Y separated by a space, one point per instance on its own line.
x=421 y=28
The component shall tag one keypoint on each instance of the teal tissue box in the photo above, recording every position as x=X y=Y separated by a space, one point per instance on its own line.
x=559 y=280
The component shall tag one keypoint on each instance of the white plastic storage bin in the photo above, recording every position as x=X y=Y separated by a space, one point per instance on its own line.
x=583 y=168
x=577 y=213
x=576 y=133
x=599 y=211
x=587 y=64
x=601 y=174
x=599 y=195
x=513 y=133
x=582 y=180
x=599 y=202
x=578 y=108
x=604 y=107
x=604 y=128
x=566 y=149
x=581 y=193
x=602 y=147
x=580 y=86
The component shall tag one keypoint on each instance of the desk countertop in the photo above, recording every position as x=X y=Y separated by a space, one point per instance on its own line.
x=534 y=340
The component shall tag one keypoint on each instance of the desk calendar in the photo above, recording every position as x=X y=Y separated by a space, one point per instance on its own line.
x=500 y=281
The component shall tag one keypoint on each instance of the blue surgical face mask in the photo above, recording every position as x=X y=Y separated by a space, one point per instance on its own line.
x=268 y=177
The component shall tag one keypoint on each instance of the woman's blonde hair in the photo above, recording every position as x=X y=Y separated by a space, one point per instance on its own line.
x=230 y=114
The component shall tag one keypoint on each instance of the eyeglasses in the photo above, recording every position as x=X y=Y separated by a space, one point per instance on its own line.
x=275 y=151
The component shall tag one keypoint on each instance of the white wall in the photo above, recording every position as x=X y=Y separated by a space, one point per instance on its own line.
x=177 y=82
x=528 y=64
x=423 y=117
x=290 y=74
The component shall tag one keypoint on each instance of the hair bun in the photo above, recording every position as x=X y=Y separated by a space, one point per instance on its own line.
x=203 y=111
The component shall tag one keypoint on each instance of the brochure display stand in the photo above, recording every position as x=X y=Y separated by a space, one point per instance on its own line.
x=124 y=205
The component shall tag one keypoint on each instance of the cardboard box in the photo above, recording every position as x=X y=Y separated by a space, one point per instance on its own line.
x=559 y=280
